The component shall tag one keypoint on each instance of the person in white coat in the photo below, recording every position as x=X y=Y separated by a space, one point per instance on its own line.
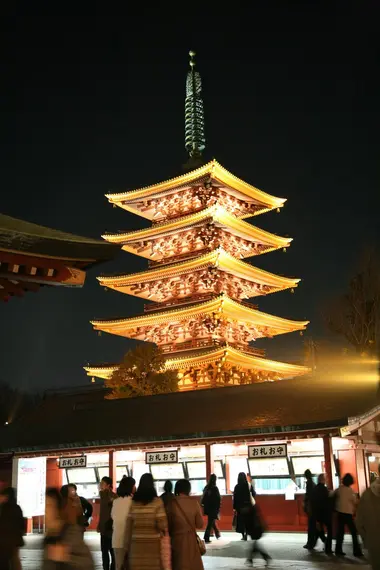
x=119 y=515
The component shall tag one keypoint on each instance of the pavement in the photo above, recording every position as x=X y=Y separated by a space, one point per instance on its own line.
x=286 y=550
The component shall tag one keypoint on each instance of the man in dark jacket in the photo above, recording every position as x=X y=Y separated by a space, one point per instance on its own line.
x=321 y=506
x=311 y=524
x=211 y=507
x=105 y=523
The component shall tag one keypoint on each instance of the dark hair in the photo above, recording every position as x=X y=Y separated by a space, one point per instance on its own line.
x=73 y=486
x=125 y=487
x=107 y=480
x=168 y=487
x=182 y=487
x=212 y=481
x=348 y=480
x=242 y=479
x=64 y=492
x=53 y=493
x=308 y=474
x=10 y=493
x=146 y=491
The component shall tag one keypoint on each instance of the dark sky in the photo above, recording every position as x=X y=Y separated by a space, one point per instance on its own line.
x=92 y=100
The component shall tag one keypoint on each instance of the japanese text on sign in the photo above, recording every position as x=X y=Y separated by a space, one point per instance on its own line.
x=262 y=451
x=66 y=462
x=161 y=457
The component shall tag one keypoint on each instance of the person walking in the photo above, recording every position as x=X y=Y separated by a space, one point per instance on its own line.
x=243 y=499
x=346 y=502
x=185 y=518
x=368 y=521
x=307 y=507
x=63 y=543
x=211 y=507
x=105 y=523
x=119 y=514
x=11 y=530
x=322 y=512
x=168 y=494
x=146 y=525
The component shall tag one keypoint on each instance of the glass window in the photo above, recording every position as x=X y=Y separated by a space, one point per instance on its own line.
x=103 y=472
x=196 y=469
x=314 y=463
x=271 y=486
x=90 y=491
x=268 y=467
x=237 y=465
x=86 y=475
x=218 y=469
x=172 y=471
x=120 y=472
x=197 y=486
x=64 y=477
x=138 y=469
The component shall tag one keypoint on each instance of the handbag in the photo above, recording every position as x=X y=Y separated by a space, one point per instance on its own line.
x=234 y=522
x=166 y=552
x=201 y=543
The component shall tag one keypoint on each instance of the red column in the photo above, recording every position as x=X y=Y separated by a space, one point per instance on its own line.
x=209 y=460
x=329 y=461
x=112 y=468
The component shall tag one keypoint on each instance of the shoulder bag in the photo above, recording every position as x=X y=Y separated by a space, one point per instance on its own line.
x=200 y=542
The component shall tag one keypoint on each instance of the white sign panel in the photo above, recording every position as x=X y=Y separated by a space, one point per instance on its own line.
x=161 y=457
x=265 y=451
x=31 y=486
x=67 y=462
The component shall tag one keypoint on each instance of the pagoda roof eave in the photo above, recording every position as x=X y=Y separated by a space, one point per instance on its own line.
x=218 y=258
x=227 y=354
x=213 y=169
x=216 y=214
x=222 y=304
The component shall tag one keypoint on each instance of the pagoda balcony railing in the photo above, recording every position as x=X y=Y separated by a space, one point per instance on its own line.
x=176 y=258
x=208 y=343
x=188 y=301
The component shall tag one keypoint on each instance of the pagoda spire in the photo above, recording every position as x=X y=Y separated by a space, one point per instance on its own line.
x=195 y=141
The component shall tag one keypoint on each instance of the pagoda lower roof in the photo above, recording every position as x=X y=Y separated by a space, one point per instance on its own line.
x=210 y=171
x=219 y=259
x=214 y=214
x=224 y=355
x=220 y=305
x=19 y=236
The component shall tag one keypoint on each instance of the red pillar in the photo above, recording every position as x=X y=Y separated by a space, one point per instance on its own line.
x=209 y=460
x=112 y=468
x=329 y=461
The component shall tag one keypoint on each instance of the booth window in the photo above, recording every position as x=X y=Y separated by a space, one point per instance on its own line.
x=166 y=472
x=271 y=475
x=301 y=463
x=85 y=480
x=196 y=473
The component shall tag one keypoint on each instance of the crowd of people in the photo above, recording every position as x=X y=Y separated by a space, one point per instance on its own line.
x=344 y=508
x=141 y=531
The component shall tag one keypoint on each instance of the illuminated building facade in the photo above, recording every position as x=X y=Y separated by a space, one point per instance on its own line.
x=199 y=280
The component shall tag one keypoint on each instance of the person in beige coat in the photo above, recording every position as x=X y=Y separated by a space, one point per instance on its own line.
x=185 y=518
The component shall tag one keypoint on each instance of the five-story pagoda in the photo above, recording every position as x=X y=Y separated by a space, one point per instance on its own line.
x=198 y=280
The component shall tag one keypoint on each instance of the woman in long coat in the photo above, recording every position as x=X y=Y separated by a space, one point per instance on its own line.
x=146 y=525
x=242 y=502
x=185 y=518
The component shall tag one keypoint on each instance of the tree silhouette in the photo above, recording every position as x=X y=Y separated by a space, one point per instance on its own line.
x=142 y=373
x=356 y=314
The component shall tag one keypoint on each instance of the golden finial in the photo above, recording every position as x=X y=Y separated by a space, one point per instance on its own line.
x=192 y=54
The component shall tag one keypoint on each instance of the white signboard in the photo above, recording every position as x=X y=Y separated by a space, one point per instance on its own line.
x=161 y=457
x=31 y=486
x=267 y=451
x=79 y=461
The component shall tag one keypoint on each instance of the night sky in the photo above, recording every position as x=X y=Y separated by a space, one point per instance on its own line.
x=92 y=101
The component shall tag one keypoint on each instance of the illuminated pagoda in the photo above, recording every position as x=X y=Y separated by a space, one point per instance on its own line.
x=198 y=279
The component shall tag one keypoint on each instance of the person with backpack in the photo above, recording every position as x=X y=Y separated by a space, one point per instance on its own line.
x=211 y=508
